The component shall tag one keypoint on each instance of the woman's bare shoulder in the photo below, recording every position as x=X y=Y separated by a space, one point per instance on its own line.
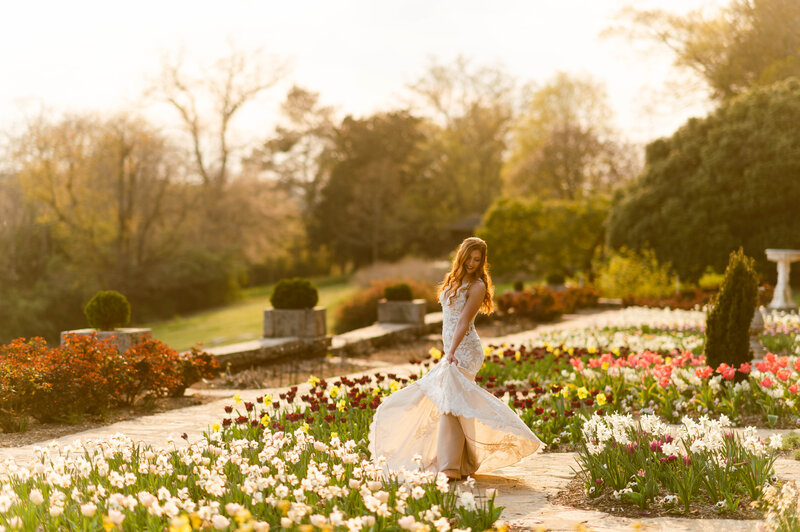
x=478 y=287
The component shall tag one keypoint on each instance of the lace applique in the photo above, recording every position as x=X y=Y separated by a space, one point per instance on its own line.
x=469 y=352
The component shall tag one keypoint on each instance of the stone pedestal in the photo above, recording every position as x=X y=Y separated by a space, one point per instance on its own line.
x=301 y=323
x=411 y=312
x=123 y=337
x=782 y=299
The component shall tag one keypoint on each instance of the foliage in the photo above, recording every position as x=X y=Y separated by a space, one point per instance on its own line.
x=728 y=321
x=107 y=310
x=294 y=293
x=376 y=201
x=470 y=108
x=555 y=278
x=745 y=152
x=398 y=292
x=630 y=274
x=519 y=286
x=636 y=460
x=710 y=280
x=361 y=310
x=62 y=239
x=745 y=44
x=86 y=375
x=563 y=146
x=545 y=303
x=538 y=237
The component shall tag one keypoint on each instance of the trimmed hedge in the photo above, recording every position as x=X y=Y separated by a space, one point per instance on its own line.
x=107 y=310
x=296 y=293
x=398 y=292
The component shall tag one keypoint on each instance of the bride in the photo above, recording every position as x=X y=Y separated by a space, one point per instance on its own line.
x=445 y=422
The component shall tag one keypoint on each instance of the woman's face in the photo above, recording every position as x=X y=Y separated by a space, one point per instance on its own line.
x=473 y=261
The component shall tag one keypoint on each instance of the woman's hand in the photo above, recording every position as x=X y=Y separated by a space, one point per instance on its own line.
x=451 y=358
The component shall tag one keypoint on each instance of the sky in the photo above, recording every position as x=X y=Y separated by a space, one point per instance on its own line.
x=358 y=54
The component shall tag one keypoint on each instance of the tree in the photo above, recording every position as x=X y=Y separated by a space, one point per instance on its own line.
x=472 y=107
x=376 y=167
x=215 y=96
x=563 y=146
x=728 y=320
x=748 y=43
x=731 y=179
x=295 y=155
x=534 y=237
x=107 y=187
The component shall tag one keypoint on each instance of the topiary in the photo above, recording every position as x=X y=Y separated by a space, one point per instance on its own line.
x=107 y=310
x=398 y=292
x=730 y=313
x=519 y=286
x=294 y=293
x=555 y=278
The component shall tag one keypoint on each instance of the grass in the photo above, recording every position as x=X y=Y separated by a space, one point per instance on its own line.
x=242 y=320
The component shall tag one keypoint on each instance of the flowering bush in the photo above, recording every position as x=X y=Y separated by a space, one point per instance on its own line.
x=640 y=462
x=87 y=375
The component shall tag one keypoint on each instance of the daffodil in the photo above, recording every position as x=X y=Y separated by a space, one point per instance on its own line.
x=583 y=393
x=601 y=399
x=313 y=381
x=215 y=427
x=268 y=399
x=305 y=427
x=517 y=356
x=341 y=405
x=237 y=398
x=435 y=353
x=180 y=524
x=334 y=392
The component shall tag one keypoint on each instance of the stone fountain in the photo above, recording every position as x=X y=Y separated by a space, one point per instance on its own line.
x=782 y=299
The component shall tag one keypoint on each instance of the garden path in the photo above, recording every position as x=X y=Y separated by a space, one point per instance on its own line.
x=523 y=488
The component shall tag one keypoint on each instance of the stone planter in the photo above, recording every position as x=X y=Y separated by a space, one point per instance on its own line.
x=412 y=312
x=301 y=323
x=123 y=337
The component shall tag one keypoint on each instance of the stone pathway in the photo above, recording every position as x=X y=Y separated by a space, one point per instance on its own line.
x=523 y=488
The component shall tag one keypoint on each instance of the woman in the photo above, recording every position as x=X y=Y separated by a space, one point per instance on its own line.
x=445 y=422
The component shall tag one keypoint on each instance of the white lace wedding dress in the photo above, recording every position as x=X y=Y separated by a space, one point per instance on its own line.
x=446 y=417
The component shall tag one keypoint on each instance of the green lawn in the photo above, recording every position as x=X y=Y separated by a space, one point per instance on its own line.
x=242 y=320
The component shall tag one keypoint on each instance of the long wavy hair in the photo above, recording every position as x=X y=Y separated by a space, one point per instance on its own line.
x=455 y=277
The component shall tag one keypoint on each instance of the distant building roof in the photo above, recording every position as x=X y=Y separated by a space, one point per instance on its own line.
x=467 y=224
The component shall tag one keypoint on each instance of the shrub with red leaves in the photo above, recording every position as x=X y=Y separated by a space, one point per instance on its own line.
x=87 y=375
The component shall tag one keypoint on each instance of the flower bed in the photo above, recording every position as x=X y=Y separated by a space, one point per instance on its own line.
x=88 y=376
x=641 y=463
x=304 y=479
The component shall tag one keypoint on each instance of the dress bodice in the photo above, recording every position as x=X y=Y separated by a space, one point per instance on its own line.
x=469 y=353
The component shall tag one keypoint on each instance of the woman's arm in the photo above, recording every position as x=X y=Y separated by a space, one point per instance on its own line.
x=473 y=303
